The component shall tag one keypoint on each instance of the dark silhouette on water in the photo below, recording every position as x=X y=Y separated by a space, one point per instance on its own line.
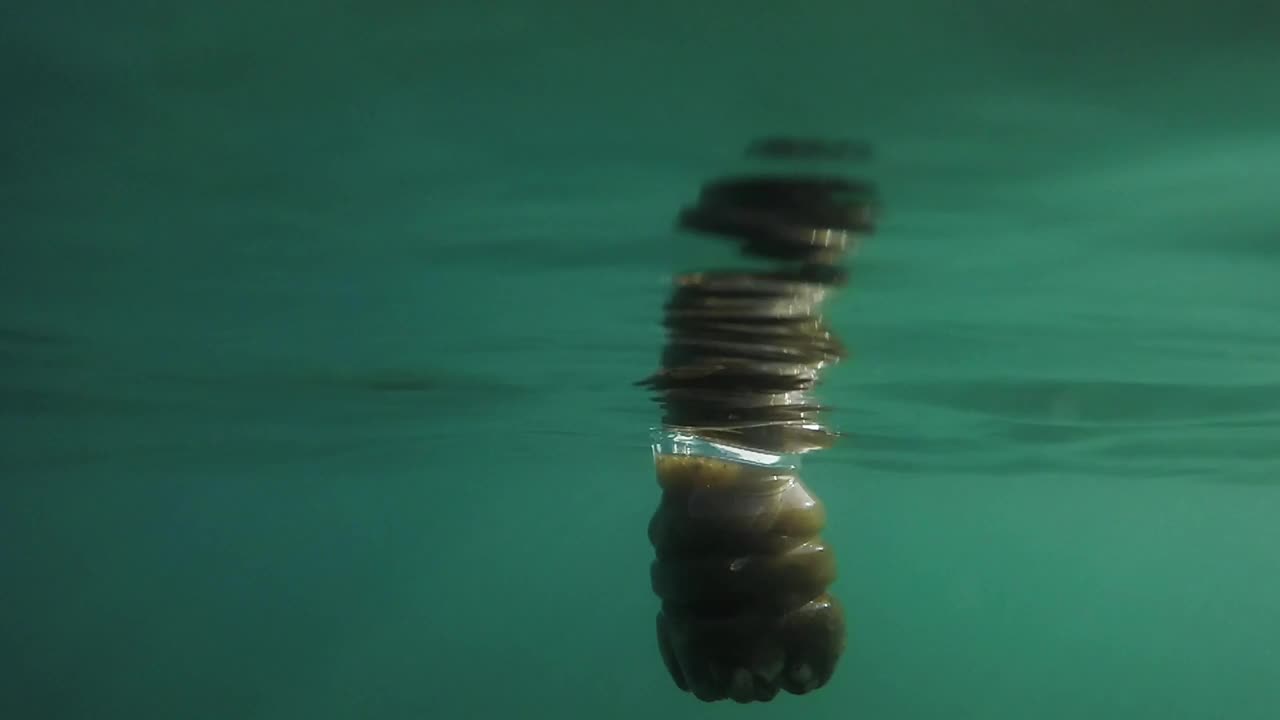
x=740 y=566
x=810 y=148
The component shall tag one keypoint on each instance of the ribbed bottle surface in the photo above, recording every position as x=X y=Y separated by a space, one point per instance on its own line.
x=742 y=573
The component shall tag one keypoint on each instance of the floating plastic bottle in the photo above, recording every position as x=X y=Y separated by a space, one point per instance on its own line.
x=741 y=568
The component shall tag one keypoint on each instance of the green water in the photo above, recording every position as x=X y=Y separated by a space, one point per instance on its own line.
x=318 y=323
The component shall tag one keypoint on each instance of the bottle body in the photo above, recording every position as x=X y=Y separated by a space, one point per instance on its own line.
x=742 y=572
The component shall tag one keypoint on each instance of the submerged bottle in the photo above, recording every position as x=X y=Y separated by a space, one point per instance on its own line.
x=740 y=565
x=742 y=573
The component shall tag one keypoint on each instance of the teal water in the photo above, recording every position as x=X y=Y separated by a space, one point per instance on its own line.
x=318 y=324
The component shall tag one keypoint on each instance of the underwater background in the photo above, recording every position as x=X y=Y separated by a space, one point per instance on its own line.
x=319 y=323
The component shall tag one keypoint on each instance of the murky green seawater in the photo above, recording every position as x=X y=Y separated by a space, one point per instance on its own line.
x=317 y=325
